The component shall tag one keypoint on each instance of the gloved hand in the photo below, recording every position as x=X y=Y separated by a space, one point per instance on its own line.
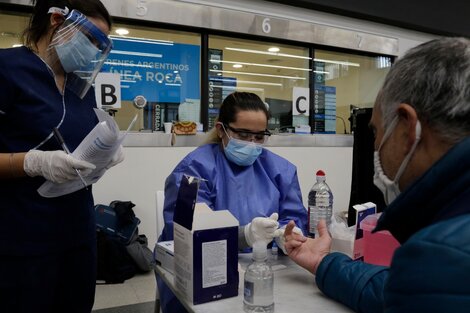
x=261 y=228
x=56 y=166
x=281 y=240
x=117 y=158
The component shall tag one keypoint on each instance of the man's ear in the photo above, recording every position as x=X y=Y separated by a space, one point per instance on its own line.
x=409 y=118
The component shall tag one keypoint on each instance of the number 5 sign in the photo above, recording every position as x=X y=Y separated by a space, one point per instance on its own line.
x=301 y=101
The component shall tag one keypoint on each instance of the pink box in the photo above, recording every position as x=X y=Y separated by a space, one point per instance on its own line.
x=380 y=246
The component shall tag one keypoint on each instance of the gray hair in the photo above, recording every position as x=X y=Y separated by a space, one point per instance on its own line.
x=434 y=78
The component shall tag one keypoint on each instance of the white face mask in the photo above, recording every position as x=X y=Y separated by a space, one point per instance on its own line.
x=390 y=188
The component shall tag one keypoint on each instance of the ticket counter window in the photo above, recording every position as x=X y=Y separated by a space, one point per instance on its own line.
x=344 y=82
x=273 y=71
x=159 y=74
x=11 y=29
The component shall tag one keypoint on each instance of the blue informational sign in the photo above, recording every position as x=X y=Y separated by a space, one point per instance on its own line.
x=161 y=71
x=324 y=109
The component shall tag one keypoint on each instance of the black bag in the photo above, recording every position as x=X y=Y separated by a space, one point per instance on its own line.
x=114 y=264
x=141 y=254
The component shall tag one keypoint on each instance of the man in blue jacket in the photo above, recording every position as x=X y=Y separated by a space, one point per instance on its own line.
x=421 y=121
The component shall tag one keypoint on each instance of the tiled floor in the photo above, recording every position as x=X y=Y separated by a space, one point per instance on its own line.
x=138 y=290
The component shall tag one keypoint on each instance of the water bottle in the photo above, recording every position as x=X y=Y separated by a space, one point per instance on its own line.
x=320 y=204
x=259 y=282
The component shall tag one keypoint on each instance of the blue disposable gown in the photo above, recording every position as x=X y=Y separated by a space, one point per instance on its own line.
x=269 y=185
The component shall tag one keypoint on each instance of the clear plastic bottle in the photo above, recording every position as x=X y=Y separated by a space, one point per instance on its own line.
x=259 y=282
x=320 y=204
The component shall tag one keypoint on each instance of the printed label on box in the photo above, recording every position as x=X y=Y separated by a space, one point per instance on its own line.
x=214 y=263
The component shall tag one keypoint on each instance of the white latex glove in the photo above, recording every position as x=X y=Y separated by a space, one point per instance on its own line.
x=117 y=158
x=261 y=228
x=56 y=166
x=281 y=240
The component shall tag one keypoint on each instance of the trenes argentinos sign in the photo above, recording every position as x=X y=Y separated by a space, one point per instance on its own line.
x=162 y=71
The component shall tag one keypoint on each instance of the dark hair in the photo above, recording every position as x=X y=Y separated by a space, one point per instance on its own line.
x=240 y=101
x=39 y=21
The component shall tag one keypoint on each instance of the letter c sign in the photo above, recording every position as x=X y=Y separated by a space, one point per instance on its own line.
x=301 y=101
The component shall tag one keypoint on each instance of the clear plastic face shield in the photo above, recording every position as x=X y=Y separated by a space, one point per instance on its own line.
x=78 y=48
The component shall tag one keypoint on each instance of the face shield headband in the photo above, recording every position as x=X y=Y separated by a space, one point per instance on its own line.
x=78 y=48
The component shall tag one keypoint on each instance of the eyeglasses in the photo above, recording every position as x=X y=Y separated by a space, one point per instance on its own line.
x=247 y=135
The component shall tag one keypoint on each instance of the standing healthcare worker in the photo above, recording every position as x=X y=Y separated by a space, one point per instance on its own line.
x=254 y=184
x=48 y=245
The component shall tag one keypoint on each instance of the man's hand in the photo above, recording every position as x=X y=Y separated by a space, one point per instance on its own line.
x=307 y=252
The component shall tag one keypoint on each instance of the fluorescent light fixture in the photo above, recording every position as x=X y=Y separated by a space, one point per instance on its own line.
x=144 y=40
x=268 y=53
x=337 y=62
x=292 y=56
x=235 y=65
x=16 y=45
x=274 y=49
x=248 y=82
x=257 y=74
x=239 y=88
x=139 y=54
x=266 y=65
x=122 y=31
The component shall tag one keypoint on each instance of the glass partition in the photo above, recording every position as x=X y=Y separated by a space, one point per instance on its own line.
x=343 y=82
x=271 y=70
x=160 y=76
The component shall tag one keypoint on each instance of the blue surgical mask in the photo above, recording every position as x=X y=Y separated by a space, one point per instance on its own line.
x=78 y=52
x=243 y=153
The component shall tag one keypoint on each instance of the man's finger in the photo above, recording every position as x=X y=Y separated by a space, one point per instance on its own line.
x=289 y=228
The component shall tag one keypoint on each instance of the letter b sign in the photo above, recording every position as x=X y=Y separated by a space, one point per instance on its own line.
x=108 y=90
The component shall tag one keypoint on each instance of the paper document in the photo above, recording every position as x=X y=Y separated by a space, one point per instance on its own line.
x=98 y=148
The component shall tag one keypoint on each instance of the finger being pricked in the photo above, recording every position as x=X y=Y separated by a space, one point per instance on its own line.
x=289 y=233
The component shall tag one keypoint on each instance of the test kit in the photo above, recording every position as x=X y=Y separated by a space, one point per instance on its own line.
x=205 y=247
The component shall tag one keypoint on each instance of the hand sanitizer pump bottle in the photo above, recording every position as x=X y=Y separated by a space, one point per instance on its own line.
x=259 y=282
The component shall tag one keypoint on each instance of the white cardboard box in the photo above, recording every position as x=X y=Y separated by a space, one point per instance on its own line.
x=165 y=255
x=206 y=248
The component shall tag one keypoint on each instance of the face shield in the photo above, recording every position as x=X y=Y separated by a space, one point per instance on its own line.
x=78 y=48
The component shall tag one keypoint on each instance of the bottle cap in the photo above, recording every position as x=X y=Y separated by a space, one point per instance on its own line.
x=321 y=175
x=259 y=251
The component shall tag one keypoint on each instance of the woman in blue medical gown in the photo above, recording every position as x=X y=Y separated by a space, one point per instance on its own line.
x=48 y=245
x=258 y=187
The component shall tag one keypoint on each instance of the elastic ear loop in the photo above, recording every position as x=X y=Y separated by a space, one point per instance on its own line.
x=413 y=147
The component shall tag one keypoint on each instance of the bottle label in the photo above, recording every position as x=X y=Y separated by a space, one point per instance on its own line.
x=248 y=291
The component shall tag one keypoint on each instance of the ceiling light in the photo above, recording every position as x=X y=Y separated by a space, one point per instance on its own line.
x=236 y=65
x=337 y=62
x=268 y=53
x=16 y=45
x=265 y=65
x=122 y=31
x=292 y=56
x=258 y=74
x=248 y=82
x=274 y=49
x=144 y=40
